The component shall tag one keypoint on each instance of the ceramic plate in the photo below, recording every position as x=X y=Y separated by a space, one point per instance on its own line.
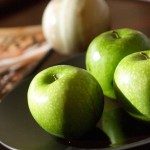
x=115 y=130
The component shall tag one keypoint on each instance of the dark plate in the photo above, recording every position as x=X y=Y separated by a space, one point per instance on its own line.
x=116 y=129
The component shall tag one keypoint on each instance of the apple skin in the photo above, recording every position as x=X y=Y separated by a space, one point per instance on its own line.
x=66 y=101
x=112 y=122
x=107 y=50
x=132 y=84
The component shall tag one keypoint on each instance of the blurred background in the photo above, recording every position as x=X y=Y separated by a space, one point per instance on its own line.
x=124 y=13
x=20 y=12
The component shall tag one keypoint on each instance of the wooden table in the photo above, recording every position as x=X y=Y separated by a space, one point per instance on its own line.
x=124 y=13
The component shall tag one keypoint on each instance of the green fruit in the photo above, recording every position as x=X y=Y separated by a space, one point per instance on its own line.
x=107 y=50
x=111 y=125
x=132 y=84
x=66 y=101
x=111 y=122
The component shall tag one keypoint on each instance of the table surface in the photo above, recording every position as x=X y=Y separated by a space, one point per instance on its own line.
x=124 y=13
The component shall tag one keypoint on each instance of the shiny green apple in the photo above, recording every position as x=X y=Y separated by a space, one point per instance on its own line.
x=132 y=84
x=66 y=101
x=107 y=50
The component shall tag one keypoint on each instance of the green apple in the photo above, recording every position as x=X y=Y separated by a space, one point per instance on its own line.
x=112 y=127
x=132 y=84
x=106 y=51
x=66 y=101
x=111 y=122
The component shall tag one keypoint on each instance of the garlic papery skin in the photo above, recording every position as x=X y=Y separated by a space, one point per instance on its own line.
x=70 y=25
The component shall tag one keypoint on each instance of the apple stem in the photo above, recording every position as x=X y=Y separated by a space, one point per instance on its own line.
x=55 y=77
x=145 y=55
x=116 y=35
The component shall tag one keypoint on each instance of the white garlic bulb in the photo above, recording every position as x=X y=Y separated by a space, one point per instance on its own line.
x=70 y=25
